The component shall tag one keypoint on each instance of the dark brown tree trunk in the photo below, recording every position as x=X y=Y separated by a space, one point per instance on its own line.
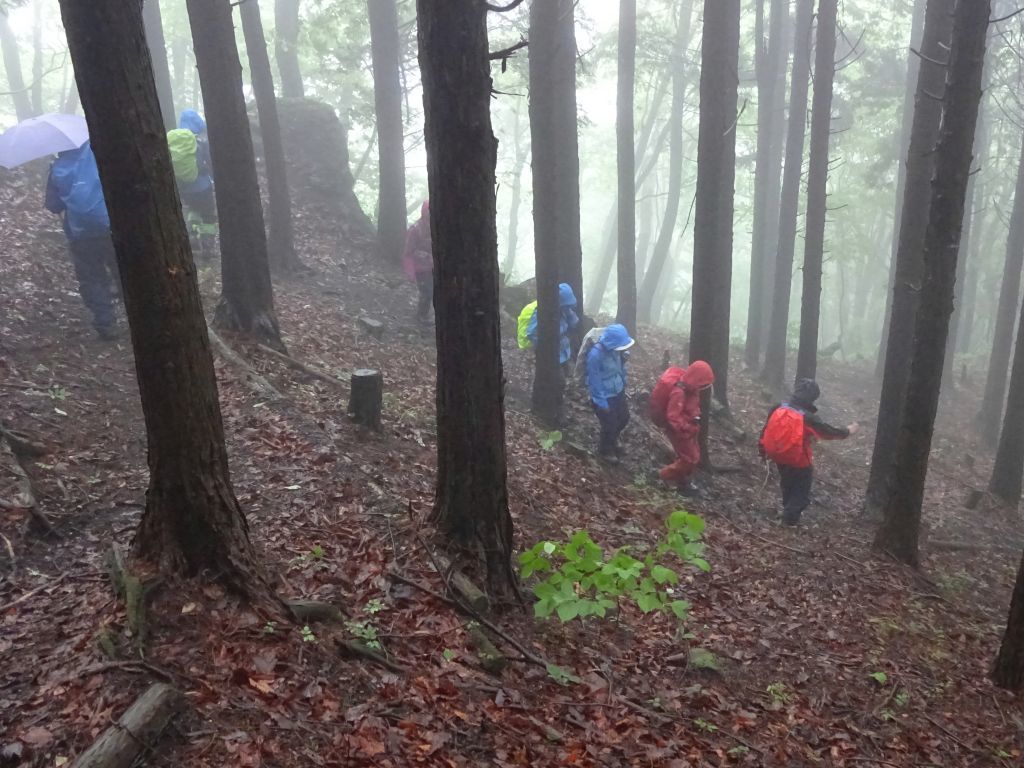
x=12 y=65
x=387 y=92
x=817 y=189
x=286 y=31
x=909 y=93
x=1005 y=317
x=472 y=506
x=774 y=372
x=716 y=173
x=1009 y=464
x=770 y=65
x=906 y=287
x=1008 y=670
x=281 y=238
x=626 y=163
x=900 y=528
x=556 y=195
x=37 y=57
x=247 y=298
x=192 y=522
x=154 y=25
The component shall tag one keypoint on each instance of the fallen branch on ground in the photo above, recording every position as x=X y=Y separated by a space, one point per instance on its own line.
x=256 y=382
x=298 y=365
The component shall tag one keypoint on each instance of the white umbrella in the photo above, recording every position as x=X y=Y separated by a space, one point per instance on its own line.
x=41 y=136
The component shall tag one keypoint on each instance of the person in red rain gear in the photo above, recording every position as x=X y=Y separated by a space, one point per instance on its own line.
x=675 y=407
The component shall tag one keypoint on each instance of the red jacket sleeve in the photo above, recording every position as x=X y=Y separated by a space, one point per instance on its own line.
x=682 y=412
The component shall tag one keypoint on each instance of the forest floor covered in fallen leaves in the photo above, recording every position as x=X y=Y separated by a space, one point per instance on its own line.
x=820 y=651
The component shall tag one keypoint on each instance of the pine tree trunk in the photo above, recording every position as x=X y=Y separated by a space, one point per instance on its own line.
x=521 y=152
x=12 y=65
x=37 y=57
x=909 y=260
x=192 y=522
x=281 y=238
x=900 y=528
x=770 y=60
x=1008 y=670
x=817 y=189
x=1009 y=464
x=247 y=298
x=154 y=26
x=716 y=172
x=387 y=91
x=626 y=164
x=286 y=32
x=471 y=507
x=776 y=347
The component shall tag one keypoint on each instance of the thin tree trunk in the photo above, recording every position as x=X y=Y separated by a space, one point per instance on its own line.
x=387 y=92
x=461 y=155
x=521 y=152
x=626 y=163
x=776 y=347
x=180 y=57
x=281 y=239
x=817 y=189
x=1009 y=465
x=1008 y=670
x=286 y=32
x=900 y=528
x=192 y=523
x=247 y=298
x=37 y=57
x=154 y=25
x=12 y=65
x=909 y=260
x=71 y=100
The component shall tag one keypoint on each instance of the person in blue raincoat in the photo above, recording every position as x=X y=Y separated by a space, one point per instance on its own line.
x=568 y=320
x=195 y=180
x=606 y=381
x=74 y=191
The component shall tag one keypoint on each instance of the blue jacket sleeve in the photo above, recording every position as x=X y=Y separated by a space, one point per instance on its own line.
x=531 y=328
x=53 y=201
x=571 y=319
x=594 y=380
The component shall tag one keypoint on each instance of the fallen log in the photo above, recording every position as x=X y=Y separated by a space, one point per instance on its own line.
x=136 y=732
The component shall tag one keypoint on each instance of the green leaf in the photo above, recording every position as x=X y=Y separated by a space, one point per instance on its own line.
x=649 y=601
x=569 y=610
x=561 y=676
x=448 y=654
x=681 y=608
x=663 y=575
x=549 y=547
x=701 y=563
x=879 y=677
x=702 y=658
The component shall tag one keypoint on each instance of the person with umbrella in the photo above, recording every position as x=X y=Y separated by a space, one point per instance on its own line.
x=73 y=191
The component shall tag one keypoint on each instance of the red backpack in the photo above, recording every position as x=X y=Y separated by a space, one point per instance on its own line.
x=784 y=435
x=661 y=394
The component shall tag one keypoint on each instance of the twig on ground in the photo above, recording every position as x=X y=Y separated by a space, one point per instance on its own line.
x=29 y=594
x=256 y=382
x=298 y=365
x=946 y=731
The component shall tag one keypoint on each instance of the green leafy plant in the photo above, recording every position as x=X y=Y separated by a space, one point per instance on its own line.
x=703 y=725
x=365 y=631
x=879 y=677
x=448 y=654
x=316 y=553
x=270 y=628
x=561 y=676
x=778 y=693
x=549 y=440
x=374 y=606
x=578 y=579
x=307 y=634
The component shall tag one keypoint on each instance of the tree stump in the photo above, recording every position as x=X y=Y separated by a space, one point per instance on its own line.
x=367 y=398
x=373 y=327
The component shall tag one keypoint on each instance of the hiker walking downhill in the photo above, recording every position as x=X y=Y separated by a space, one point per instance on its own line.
x=73 y=190
x=193 y=170
x=788 y=439
x=675 y=407
x=606 y=380
x=567 y=321
x=418 y=262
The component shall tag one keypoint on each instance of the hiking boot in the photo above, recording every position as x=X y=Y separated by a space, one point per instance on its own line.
x=108 y=333
x=790 y=521
x=691 y=491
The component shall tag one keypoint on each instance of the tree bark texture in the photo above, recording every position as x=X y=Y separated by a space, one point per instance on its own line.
x=1008 y=670
x=281 y=236
x=1009 y=464
x=716 y=173
x=192 y=521
x=286 y=31
x=626 y=164
x=906 y=289
x=900 y=528
x=154 y=25
x=471 y=503
x=136 y=731
x=12 y=65
x=789 y=201
x=247 y=298
x=817 y=189
x=387 y=93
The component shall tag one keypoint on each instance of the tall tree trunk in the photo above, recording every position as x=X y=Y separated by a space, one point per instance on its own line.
x=626 y=164
x=1005 y=317
x=716 y=173
x=906 y=288
x=521 y=152
x=1008 y=670
x=281 y=239
x=37 y=57
x=154 y=25
x=770 y=60
x=286 y=31
x=180 y=59
x=653 y=273
x=789 y=201
x=12 y=64
x=556 y=196
x=387 y=93
x=247 y=298
x=192 y=522
x=900 y=528
x=1009 y=464
x=903 y=131
x=817 y=189
x=461 y=156
x=70 y=105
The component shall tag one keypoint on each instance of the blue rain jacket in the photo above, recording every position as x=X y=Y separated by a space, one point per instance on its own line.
x=73 y=189
x=194 y=122
x=568 y=321
x=606 y=367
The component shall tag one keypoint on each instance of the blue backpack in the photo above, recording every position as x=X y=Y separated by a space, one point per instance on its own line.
x=78 y=181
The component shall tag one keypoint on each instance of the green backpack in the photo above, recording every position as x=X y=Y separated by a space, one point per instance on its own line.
x=183 y=144
x=523 y=323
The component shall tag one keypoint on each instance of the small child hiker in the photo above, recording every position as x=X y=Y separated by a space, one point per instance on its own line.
x=675 y=407
x=606 y=380
x=787 y=439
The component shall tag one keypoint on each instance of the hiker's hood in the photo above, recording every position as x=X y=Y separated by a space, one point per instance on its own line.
x=805 y=393
x=193 y=121
x=698 y=376
x=566 y=298
x=616 y=337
